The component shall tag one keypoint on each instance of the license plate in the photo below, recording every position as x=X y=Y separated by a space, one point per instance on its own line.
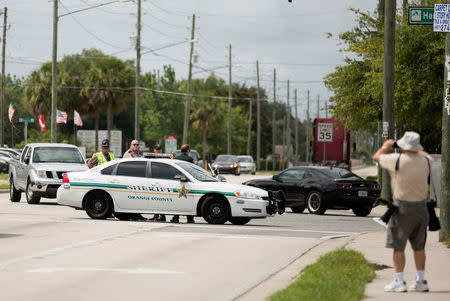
x=362 y=193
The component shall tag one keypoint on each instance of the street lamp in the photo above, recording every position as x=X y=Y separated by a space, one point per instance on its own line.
x=54 y=58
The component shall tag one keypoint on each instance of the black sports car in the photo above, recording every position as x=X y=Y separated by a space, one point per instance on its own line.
x=321 y=188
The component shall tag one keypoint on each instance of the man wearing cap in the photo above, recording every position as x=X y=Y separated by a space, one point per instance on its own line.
x=409 y=184
x=133 y=151
x=157 y=149
x=101 y=157
x=184 y=156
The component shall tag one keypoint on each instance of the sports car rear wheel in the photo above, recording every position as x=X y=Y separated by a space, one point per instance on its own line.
x=315 y=203
x=362 y=211
x=215 y=210
x=98 y=205
x=239 y=220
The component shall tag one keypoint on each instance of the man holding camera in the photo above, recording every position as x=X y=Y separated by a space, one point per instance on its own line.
x=409 y=172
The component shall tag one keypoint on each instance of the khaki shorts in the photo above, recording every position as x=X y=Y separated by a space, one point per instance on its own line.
x=408 y=223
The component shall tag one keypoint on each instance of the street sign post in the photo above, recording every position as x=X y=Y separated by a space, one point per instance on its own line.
x=421 y=16
x=25 y=129
x=324 y=134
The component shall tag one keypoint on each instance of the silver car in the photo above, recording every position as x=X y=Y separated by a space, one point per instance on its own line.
x=247 y=164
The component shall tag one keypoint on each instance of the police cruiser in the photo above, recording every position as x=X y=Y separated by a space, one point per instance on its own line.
x=164 y=186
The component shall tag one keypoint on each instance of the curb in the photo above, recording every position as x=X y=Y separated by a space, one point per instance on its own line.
x=288 y=273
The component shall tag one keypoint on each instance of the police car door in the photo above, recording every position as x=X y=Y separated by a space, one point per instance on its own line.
x=177 y=199
x=130 y=180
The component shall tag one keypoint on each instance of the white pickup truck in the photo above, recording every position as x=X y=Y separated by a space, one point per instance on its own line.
x=40 y=170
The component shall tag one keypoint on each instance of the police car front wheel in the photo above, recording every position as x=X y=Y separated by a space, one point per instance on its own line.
x=98 y=205
x=215 y=210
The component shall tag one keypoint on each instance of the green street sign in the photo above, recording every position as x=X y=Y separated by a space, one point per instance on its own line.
x=26 y=120
x=421 y=16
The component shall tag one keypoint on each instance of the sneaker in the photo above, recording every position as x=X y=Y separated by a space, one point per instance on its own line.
x=419 y=286
x=396 y=286
x=190 y=220
x=154 y=218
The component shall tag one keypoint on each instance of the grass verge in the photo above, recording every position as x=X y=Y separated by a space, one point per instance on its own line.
x=447 y=241
x=338 y=275
x=4 y=186
x=4 y=176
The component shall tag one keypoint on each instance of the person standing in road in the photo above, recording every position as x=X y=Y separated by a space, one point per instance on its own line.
x=409 y=172
x=157 y=149
x=101 y=157
x=133 y=151
x=184 y=156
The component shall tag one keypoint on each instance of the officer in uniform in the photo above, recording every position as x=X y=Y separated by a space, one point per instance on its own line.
x=184 y=156
x=133 y=151
x=157 y=149
x=101 y=157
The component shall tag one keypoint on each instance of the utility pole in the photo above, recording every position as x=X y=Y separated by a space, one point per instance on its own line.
x=273 y=116
x=318 y=106
x=249 y=134
x=230 y=95
x=388 y=86
x=54 y=71
x=445 y=159
x=284 y=139
x=187 y=110
x=137 y=103
x=2 y=131
x=296 y=126
x=258 y=120
x=307 y=127
x=288 y=127
x=158 y=81
x=326 y=108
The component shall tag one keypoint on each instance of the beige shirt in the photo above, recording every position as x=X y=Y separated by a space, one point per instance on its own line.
x=410 y=182
x=130 y=154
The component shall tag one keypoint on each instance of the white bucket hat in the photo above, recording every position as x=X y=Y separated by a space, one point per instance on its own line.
x=410 y=142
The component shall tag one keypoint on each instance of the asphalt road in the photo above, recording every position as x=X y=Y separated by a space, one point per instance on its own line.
x=50 y=252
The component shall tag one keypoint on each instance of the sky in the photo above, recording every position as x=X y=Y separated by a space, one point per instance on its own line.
x=291 y=37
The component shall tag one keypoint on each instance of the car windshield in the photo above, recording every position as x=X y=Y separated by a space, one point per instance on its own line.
x=339 y=173
x=226 y=158
x=245 y=159
x=197 y=172
x=57 y=155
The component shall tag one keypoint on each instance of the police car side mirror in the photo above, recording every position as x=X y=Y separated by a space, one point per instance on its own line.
x=180 y=178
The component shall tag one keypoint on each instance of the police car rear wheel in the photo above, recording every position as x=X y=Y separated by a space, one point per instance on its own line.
x=215 y=210
x=98 y=205
x=240 y=220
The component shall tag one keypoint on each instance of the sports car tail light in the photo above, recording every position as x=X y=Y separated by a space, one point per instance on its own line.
x=65 y=179
x=344 y=185
x=375 y=186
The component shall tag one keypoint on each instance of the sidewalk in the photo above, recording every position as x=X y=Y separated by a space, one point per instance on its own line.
x=372 y=246
x=437 y=270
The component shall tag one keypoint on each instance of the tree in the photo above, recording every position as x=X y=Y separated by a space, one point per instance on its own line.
x=418 y=78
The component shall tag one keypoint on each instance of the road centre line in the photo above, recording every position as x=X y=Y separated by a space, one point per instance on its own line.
x=92 y=269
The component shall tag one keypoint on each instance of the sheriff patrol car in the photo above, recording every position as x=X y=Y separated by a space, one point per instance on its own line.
x=164 y=186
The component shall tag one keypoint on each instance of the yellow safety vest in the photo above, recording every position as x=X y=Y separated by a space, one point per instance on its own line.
x=102 y=159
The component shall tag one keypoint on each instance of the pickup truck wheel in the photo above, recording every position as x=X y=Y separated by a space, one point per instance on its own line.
x=31 y=198
x=239 y=220
x=14 y=194
x=215 y=210
x=98 y=205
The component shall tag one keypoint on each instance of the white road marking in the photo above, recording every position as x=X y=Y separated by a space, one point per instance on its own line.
x=69 y=246
x=92 y=269
x=378 y=221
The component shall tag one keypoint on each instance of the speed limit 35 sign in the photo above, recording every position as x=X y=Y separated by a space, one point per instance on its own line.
x=325 y=132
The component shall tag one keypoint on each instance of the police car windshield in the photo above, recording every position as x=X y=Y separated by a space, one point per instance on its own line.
x=197 y=172
x=57 y=155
